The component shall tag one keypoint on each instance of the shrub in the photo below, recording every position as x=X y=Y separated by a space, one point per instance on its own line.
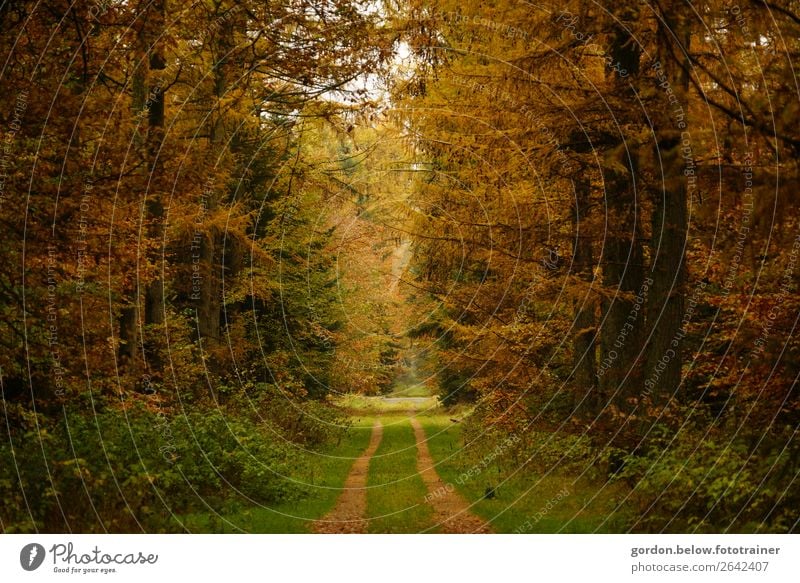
x=707 y=482
x=140 y=467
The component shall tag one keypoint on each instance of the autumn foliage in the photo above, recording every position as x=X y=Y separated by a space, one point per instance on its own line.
x=569 y=219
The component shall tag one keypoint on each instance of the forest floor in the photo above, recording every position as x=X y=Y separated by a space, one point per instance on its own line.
x=403 y=469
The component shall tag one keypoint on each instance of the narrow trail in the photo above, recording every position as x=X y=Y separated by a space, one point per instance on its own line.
x=451 y=511
x=349 y=514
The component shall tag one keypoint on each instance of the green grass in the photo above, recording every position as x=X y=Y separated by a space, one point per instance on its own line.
x=361 y=404
x=324 y=480
x=554 y=503
x=395 y=498
x=396 y=494
x=415 y=390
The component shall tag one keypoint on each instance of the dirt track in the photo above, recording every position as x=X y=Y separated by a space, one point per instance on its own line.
x=451 y=511
x=349 y=514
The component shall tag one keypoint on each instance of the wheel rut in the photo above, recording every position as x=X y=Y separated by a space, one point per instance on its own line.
x=349 y=514
x=451 y=511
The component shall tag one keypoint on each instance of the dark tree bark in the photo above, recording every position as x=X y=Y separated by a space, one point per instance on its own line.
x=209 y=306
x=128 y=333
x=147 y=106
x=623 y=276
x=623 y=257
x=585 y=323
x=670 y=222
x=155 y=308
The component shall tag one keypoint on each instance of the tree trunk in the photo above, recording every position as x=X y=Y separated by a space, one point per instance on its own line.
x=129 y=315
x=155 y=309
x=623 y=276
x=208 y=308
x=583 y=342
x=670 y=222
x=623 y=270
x=128 y=333
x=210 y=303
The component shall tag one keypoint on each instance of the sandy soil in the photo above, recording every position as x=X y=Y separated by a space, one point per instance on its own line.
x=349 y=514
x=451 y=511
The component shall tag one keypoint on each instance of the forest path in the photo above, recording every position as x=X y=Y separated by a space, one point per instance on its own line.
x=451 y=511
x=349 y=514
x=403 y=460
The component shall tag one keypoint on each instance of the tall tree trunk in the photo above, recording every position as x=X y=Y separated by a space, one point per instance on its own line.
x=623 y=270
x=129 y=315
x=210 y=303
x=154 y=313
x=623 y=273
x=670 y=221
x=583 y=342
x=147 y=101
x=208 y=308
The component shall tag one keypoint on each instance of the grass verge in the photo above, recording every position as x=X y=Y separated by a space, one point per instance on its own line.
x=323 y=481
x=414 y=390
x=361 y=404
x=524 y=502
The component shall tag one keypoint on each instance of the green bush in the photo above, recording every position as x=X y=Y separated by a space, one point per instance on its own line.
x=523 y=442
x=704 y=481
x=140 y=468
